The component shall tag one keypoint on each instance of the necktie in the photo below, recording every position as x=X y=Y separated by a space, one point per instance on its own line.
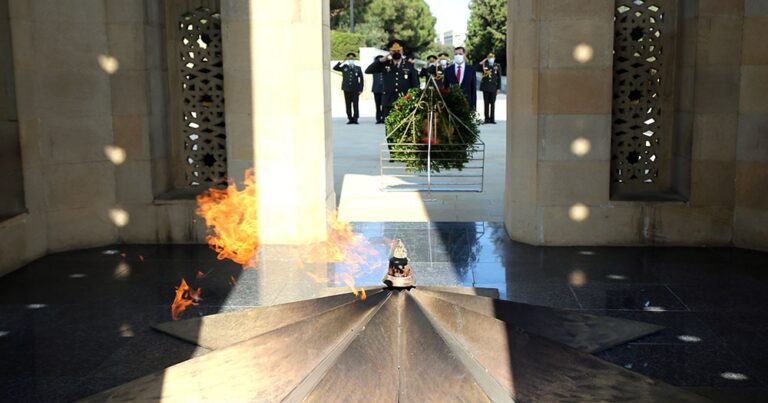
x=458 y=74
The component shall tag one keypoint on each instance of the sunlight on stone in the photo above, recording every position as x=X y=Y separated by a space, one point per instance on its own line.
x=4 y=333
x=122 y=271
x=688 y=338
x=654 y=309
x=586 y=252
x=583 y=53
x=115 y=154
x=110 y=252
x=108 y=63
x=581 y=146
x=578 y=212
x=734 y=376
x=616 y=277
x=119 y=217
x=35 y=306
x=126 y=330
x=76 y=275
x=577 y=278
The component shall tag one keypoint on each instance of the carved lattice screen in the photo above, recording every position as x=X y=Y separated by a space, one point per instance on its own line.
x=202 y=98
x=643 y=90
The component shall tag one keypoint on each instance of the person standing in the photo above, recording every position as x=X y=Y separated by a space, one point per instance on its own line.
x=377 y=88
x=428 y=70
x=490 y=85
x=463 y=75
x=397 y=75
x=436 y=69
x=352 y=83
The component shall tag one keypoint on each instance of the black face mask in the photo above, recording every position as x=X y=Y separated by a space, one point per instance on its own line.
x=397 y=56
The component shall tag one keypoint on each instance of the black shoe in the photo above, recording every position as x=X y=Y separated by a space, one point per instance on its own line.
x=349 y=122
x=378 y=122
x=493 y=122
x=354 y=122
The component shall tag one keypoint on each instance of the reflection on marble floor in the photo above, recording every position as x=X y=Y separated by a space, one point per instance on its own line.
x=76 y=323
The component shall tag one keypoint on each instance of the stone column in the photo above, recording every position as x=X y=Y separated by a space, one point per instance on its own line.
x=276 y=64
x=751 y=204
x=559 y=118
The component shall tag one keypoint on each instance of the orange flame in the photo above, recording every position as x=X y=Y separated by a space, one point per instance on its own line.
x=185 y=297
x=230 y=215
x=354 y=253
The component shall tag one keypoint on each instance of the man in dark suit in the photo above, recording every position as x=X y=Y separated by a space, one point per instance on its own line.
x=377 y=88
x=490 y=85
x=397 y=75
x=463 y=75
x=352 y=84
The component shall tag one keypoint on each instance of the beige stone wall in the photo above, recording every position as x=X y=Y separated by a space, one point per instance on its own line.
x=279 y=123
x=93 y=99
x=558 y=194
x=751 y=168
x=64 y=101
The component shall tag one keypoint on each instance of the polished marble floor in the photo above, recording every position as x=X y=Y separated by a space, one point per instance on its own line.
x=76 y=323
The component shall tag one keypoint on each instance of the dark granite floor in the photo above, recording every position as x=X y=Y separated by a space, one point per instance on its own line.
x=75 y=323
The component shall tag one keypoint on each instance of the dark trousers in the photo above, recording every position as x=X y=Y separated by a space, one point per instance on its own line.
x=379 y=111
x=386 y=106
x=386 y=103
x=351 y=99
x=489 y=98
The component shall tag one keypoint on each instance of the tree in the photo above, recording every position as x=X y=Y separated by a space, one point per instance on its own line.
x=487 y=30
x=344 y=42
x=408 y=20
x=340 y=13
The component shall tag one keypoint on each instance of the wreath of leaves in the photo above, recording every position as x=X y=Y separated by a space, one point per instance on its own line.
x=454 y=128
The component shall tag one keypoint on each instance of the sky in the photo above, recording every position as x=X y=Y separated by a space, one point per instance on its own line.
x=450 y=14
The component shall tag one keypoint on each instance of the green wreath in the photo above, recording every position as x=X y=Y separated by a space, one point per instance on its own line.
x=454 y=125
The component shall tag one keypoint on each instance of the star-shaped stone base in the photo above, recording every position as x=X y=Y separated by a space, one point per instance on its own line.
x=419 y=345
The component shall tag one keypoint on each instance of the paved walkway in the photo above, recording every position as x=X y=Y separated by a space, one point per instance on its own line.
x=357 y=177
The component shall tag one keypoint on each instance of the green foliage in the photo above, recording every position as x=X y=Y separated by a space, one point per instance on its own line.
x=378 y=21
x=436 y=48
x=455 y=128
x=487 y=30
x=373 y=34
x=340 y=13
x=407 y=20
x=345 y=42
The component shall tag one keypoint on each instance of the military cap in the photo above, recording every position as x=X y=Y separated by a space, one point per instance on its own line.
x=351 y=54
x=431 y=58
x=491 y=55
x=443 y=55
x=395 y=45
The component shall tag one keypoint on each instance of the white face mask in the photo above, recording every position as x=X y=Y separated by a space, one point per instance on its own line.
x=431 y=64
x=490 y=61
x=443 y=62
x=351 y=62
x=458 y=59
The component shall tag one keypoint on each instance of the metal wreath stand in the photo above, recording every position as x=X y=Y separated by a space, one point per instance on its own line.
x=430 y=90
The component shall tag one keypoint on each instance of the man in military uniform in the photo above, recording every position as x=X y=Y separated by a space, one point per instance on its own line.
x=436 y=68
x=377 y=88
x=397 y=75
x=490 y=84
x=429 y=69
x=352 y=85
